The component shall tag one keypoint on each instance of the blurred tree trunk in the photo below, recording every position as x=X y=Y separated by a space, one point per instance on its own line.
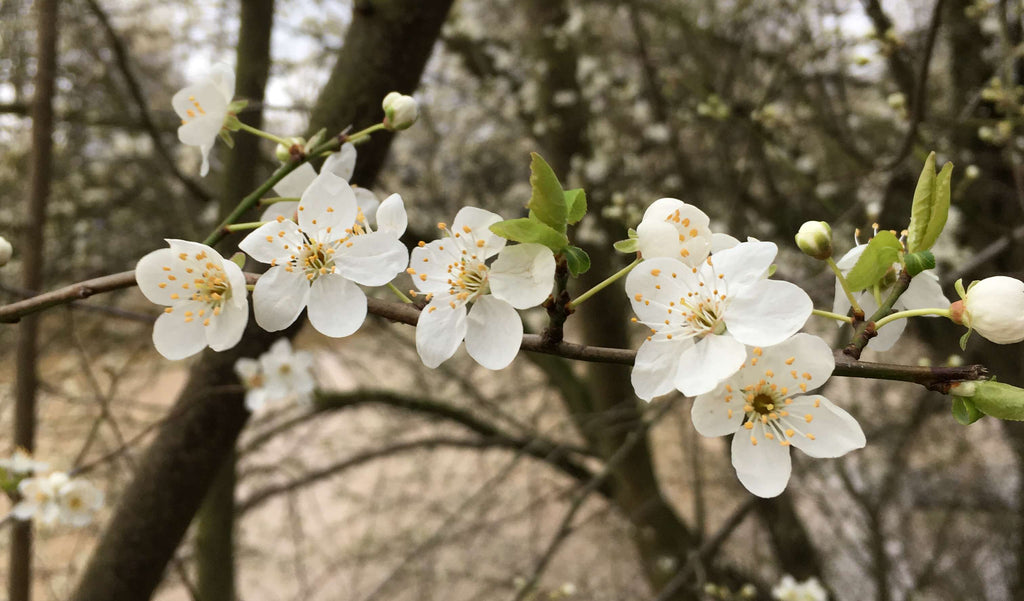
x=20 y=583
x=215 y=531
x=386 y=48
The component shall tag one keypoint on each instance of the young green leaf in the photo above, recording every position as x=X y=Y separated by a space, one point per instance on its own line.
x=576 y=205
x=965 y=412
x=931 y=206
x=883 y=250
x=577 y=259
x=530 y=230
x=919 y=261
x=547 y=200
x=997 y=399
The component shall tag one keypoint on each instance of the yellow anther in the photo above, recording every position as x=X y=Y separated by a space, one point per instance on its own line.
x=655 y=272
x=169 y=310
x=808 y=418
x=790 y=360
x=749 y=425
x=758 y=351
x=423 y=277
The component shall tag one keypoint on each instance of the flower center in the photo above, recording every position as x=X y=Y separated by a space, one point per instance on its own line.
x=75 y=503
x=698 y=312
x=315 y=258
x=209 y=286
x=193 y=112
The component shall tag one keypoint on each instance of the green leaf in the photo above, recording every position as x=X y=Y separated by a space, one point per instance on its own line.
x=965 y=412
x=226 y=137
x=997 y=399
x=919 y=261
x=628 y=246
x=575 y=204
x=530 y=230
x=577 y=259
x=931 y=206
x=547 y=200
x=883 y=250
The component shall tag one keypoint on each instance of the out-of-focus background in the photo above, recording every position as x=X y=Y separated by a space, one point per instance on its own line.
x=548 y=480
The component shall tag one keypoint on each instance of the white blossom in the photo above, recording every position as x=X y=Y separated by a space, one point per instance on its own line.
x=205 y=298
x=788 y=589
x=293 y=185
x=39 y=498
x=318 y=262
x=280 y=375
x=78 y=502
x=700 y=318
x=673 y=229
x=21 y=462
x=453 y=272
x=203 y=107
x=924 y=292
x=766 y=406
x=994 y=308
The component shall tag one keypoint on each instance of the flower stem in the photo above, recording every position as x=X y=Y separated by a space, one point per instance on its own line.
x=270 y=201
x=579 y=300
x=263 y=134
x=364 y=133
x=240 y=227
x=402 y=297
x=843 y=283
x=831 y=315
x=910 y=313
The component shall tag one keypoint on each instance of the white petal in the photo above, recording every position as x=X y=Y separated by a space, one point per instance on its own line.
x=255 y=399
x=372 y=259
x=924 y=292
x=703 y=366
x=236 y=281
x=176 y=335
x=654 y=371
x=847 y=261
x=279 y=297
x=282 y=209
x=744 y=263
x=223 y=77
x=430 y=263
x=205 y=96
x=835 y=431
x=720 y=242
x=150 y=274
x=767 y=312
x=202 y=132
x=24 y=510
x=523 y=275
x=479 y=222
x=887 y=336
x=655 y=283
x=337 y=307
x=658 y=239
x=368 y=203
x=713 y=416
x=296 y=182
x=494 y=332
x=328 y=202
x=391 y=217
x=802 y=359
x=225 y=330
x=762 y=468
x=273 y=241
x=246 y=368
x=841 y=304
x=440 y=331
x=342 y=163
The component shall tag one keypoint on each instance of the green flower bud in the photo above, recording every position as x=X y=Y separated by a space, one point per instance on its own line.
x=815 y=239
x=993 y=398
x=6 y=250
x=284 y=153
x=400 y=111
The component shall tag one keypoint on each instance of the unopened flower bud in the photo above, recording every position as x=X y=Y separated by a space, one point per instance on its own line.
x=400 y=111
x=994 y=308
x=6 y=250
x=815 y=239
x=284 y=153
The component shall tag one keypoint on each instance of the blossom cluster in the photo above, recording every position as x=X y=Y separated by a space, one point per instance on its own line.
x=278 y=376
x=49 y=498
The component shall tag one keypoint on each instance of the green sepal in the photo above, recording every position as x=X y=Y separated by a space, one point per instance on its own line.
x=575 y=205
x=959 y=285
x=237 y=105
x=231 y=123
x=628 y=246
x=225 y=135
x=883 y=250
x=772 y=269
x=315 y=141
x=529 y=229
x=577 y=259
x=931 y=206
x=965 y=412
x=965 y=338
x=919 y=261
x=633 y=233
x=547 y=200
x=238 y=259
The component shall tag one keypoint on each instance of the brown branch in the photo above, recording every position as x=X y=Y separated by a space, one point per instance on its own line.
x=847 y=365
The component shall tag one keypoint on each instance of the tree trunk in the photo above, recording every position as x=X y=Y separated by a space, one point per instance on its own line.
x=20 y=583
x=386 y=49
